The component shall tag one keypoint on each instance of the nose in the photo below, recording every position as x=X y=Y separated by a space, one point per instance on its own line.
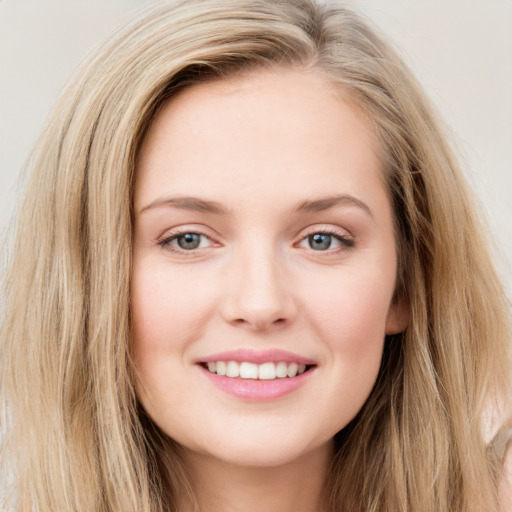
x=260 y=294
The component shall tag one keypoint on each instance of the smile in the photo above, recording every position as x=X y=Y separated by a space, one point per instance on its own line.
x=257 y=375
x=248 y=370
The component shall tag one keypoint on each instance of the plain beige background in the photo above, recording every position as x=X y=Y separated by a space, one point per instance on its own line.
x=460 y=49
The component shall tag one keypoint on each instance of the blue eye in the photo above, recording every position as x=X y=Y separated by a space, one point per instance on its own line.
x=324 y=241
x=320 y=241
x=185 y=241
x=188 y=241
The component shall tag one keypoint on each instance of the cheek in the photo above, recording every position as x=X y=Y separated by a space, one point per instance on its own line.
x=167 y=306
x=351 y=313
x=167 y=314
x=350 y=320
x=169 y=311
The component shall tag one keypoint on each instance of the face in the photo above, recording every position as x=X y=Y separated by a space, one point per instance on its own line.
x=264 y=267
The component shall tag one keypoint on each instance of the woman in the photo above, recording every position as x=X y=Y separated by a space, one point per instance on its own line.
x=255 y=281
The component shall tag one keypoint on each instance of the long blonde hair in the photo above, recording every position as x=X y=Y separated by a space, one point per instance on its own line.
x=75 y=438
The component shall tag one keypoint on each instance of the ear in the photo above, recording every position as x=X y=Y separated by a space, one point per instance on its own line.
x=398 y=317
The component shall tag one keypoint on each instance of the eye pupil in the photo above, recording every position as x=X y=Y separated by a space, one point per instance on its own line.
x=320 y=241
x=189 y=241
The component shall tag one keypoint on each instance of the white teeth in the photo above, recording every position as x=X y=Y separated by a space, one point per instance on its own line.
x=265 y=371
x=233 y=369
x=292 y=369
x=221 y=368
x=248 y=370
x=281 y=370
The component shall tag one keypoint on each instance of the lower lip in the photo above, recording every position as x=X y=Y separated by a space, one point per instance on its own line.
x=251 y=389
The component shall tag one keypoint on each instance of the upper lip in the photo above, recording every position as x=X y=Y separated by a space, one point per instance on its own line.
x=257 y=357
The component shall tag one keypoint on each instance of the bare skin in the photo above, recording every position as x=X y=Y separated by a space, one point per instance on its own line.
x=262 y=226
x=294 y=486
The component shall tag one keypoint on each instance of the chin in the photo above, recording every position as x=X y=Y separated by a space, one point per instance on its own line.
x=255 y=457
x=263 y=449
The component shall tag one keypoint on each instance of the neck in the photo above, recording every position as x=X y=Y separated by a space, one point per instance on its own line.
x=224 y=487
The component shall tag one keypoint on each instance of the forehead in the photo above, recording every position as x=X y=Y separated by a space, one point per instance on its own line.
x=283 y=128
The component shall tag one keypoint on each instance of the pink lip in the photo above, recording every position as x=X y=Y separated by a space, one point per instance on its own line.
x=257 y=357
x=256 y=390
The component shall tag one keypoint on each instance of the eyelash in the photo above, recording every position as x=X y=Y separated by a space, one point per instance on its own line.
x=345 y=241
x=166 y=242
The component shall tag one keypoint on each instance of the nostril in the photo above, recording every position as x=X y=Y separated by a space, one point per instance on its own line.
x=260 y=324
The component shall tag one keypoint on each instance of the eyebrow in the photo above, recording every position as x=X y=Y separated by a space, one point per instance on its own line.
x=326 y=203
x=188 y=203
x=214 y=207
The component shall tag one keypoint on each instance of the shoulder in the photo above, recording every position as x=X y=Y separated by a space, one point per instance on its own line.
x=505 y=488
x=498 y=436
